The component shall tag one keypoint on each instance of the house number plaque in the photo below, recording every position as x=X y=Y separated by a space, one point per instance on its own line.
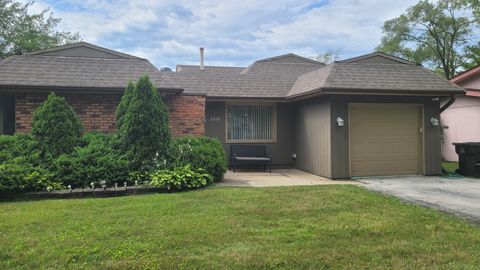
x=215 y=119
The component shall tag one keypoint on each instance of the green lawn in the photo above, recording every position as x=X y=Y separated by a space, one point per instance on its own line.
x=450 y=166
x=318 y=227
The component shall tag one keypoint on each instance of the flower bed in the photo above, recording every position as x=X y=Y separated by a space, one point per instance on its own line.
x=80 y=193
x=58 y=155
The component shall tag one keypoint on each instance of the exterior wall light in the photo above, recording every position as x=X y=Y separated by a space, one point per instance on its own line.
x=434 y=121
x=340 y=122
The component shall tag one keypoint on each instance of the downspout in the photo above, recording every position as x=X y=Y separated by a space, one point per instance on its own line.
x=450 y=102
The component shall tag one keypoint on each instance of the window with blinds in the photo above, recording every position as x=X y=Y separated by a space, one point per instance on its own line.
x=251 y=123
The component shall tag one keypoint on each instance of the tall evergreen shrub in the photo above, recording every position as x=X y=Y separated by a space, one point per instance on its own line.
x=144 y=135
x=123 y=105
x=56 y=127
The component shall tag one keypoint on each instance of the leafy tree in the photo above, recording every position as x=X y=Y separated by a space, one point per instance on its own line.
x=144 y=134
x=22 y=32
x=473 y=55
x=56 y=127
x=123 y=105
x=436 y=34
x=328 y=57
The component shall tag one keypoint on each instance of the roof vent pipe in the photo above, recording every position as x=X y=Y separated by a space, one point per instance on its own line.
x=201 y=58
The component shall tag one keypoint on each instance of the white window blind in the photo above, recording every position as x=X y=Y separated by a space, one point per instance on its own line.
x=250 y=123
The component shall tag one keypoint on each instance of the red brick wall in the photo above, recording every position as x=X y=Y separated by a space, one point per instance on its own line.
x=187 y=115
x=97 y=111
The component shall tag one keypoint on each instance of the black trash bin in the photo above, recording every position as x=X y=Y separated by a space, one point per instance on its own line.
x=468 y=158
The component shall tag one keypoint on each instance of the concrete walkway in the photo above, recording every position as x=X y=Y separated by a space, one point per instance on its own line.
x=287 y=177
x=457 y=196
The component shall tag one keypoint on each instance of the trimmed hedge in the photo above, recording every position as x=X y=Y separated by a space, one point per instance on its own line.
x=94 y=162
x=21 y=176
x=19 y=145
x=21 y=166
x=56 y=127
x=202 y=153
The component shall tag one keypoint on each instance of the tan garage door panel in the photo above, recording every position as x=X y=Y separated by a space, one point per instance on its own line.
x=385 y=139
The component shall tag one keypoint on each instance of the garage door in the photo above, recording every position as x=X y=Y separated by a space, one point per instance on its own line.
x=385 y=139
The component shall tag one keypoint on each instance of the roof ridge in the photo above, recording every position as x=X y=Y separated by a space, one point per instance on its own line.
x=289 y=55
x=438 y=75
x=84 y=57
x=371 y=64
x=189 y=65
x=377 y=53
x=9 y=59
x=85 y=44
x=287 y=63
x=163 y=77
x=465 y=74
x=331 y=75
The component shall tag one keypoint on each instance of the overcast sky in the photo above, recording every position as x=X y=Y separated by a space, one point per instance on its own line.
x=233 y=32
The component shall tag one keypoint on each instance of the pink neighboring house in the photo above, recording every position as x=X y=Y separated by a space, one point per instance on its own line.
x=462 y=119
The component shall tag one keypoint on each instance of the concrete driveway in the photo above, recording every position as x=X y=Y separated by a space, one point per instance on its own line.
x=286 y=177
x=457 y=196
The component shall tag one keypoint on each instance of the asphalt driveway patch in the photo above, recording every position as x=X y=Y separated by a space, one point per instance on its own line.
x=457 y=196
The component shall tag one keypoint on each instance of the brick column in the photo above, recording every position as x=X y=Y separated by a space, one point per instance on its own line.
x=187 y=115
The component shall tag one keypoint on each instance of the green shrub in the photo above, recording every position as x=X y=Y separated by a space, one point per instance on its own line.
x=94 y=162
x=144 y=135
x=201 y=152
x=124 y=103
x=88 y=137
x=19 y=145
x=21 y=168
x=56 y=127
x=8 y=148
x=18 y=175
x=180 y=178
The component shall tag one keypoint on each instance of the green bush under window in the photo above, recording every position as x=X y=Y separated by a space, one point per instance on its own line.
x=201 y=153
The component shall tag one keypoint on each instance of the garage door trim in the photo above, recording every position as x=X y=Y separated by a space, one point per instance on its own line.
x=421 y=122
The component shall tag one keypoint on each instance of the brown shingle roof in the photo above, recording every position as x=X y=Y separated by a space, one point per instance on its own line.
x=261 y=79
x=57 y=71
x=83 y=65
x=357 y=77
x=280 y=79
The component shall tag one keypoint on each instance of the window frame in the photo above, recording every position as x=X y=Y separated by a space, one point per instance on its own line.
x=250 y=103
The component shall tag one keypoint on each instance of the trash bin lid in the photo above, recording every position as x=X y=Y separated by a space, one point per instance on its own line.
x=467 y=143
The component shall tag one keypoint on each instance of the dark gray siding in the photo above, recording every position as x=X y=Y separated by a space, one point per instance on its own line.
x=7 y=114
x=309 y=129
x=2 y=106
x=312 y=136
x=433 y=139
x=340 y=154
x=281 y=151
x=339 y=144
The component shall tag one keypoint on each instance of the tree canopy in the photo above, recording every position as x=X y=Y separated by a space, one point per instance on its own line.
x=442 y=35
x=21 y=31
x=328 y=57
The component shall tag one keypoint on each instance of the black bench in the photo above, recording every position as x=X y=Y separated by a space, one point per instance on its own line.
x=250 y=152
